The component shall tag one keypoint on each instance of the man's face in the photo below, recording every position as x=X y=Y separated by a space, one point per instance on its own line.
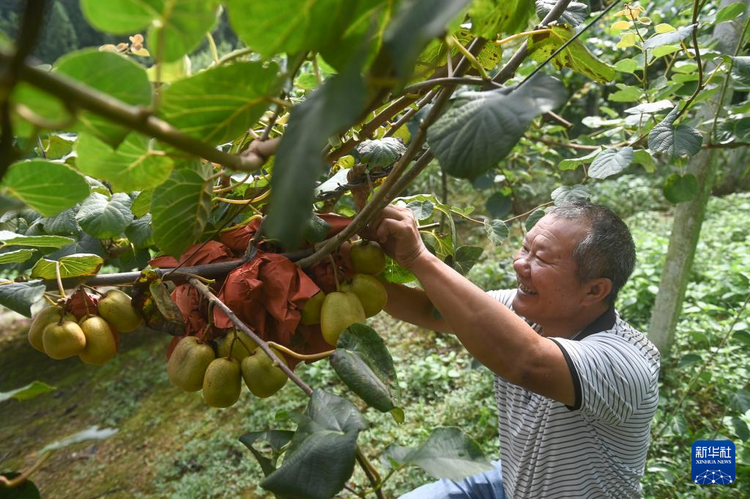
x=548 y=290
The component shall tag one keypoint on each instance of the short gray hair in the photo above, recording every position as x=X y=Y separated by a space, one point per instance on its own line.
x=607 y=250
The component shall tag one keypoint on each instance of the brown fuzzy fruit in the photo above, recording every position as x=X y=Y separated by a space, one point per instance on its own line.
x=370 y=291
x=222 y=383
x=261 y=376
x=43 y=319
x=242 y=345
x=100 y=341
x=116 y=308
x=340 y=310
x=188 y=363
x=63 y=340
x=367 y=258
x=311 y=310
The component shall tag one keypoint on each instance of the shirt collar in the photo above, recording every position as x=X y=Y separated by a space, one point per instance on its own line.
x=604 y=322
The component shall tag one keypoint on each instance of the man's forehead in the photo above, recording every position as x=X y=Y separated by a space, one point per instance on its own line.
x=563 y=229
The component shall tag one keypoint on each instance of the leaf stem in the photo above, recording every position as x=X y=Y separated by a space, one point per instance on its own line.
x=301 y=356
x=59 y=279
x=212 y=45
x=522 y=35
x=453 y=41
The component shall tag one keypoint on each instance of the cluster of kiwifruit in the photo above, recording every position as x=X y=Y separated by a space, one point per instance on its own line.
x=58 y=334
x=195 y=365
x=362 y=297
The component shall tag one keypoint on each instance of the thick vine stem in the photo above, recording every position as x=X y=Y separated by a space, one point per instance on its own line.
x=135 y=118
x=17 y=481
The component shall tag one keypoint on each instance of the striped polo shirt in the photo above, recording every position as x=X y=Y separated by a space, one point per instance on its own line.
x=596 y=448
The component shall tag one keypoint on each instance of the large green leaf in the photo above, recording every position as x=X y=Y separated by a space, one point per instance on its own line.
x=680 y=188
x=380 y=152
x=291 y=26
x=363 y=362
x=674 y=140
x=611 y=162
x=27 y=489
x=76 y=265
x=574 y=14
x=139 y=232
x=323 y=447
x=180 y=208
x=104 y=217
x=62 y=223
x=415 y=23
x=331 y=108
x=575 y=56
x=574 y=163
x=277 y=441
x=490 y=18
x=448 y=453
x=366 y=29
x=465 y=258
x=112 y=74
x=481 y=128
x=134 y=165
x=497 y=231
x=33 y=389
x=573 y=193
x=222 y=103
x=8 y=238
x=532 y=219
x=142 y=203
x=17 y=256
x=44 y=105
x=47 y=187
x=177 y=25
x=20 y=296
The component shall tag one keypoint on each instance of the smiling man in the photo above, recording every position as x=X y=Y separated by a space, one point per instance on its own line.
x=576 y=385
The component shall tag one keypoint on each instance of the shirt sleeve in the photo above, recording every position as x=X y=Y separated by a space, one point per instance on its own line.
x=611 y=376
x=504 y=296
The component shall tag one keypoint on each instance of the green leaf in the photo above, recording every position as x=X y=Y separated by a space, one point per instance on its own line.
x=680 y=188
x=277 y=441
x=27 y=392
x=179 y=25
x=481 y=128
x=689 y=360
x=364 y=364
x=626 y=66
x=666 y=50
x=670 y=37
x=324 y=446
x=575 y=56
x=139 y=232
x=8 y=238
x=134 y=165
x=422 y=210
x=741 y=70
x=448 y=453
x=291 y=26
x=75 y=265
x=740 y=401
x=490 y=18
x=180 y=209
x=20 y=296
x=626 y=93
x=104 y=217
x=332 y=107
x=113 y=74
x=27 y=489
x=466 y=257
x=44 y=105
x=570 y=164
x=499 y=204
x=381 y=152
x=674 y=141
x=730 y=12
x=220 y=104
x=741 y=429
x=497 y=231
x=46 y=187
x=16 y=256
x=142 y=203
x=611 y=162
x=535 y=216
x=91 y=433
x=316 y=229
x=643 y=157
x=566 y=194
x=396 y=273
x=574 y=14
x=415 y=23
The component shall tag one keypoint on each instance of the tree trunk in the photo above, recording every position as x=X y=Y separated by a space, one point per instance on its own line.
x=689 y=216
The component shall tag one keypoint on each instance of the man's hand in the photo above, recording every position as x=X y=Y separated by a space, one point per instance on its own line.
x=397 y=232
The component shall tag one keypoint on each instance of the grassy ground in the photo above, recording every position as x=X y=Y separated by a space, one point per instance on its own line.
x=171 y=445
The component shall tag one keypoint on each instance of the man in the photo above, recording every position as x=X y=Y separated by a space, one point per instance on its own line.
x=576 y=386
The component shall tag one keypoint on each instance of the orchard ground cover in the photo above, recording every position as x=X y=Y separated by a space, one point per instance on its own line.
x=170 y=445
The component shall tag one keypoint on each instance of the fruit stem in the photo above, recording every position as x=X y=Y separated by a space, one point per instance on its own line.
x=49 y=299
x=335 y=272
x=92 y=288
x=5 y=482
x=59 y=279
x=231 y=346
x=301 y=356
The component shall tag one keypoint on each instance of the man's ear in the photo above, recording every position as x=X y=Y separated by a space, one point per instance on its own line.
x=597 y=290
